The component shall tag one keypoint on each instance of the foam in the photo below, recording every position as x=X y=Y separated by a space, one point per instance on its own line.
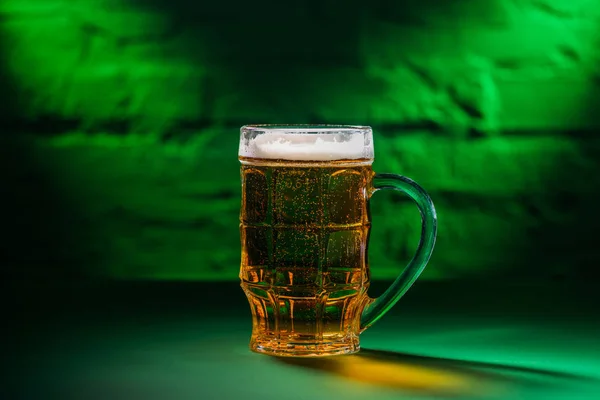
x=308 y=147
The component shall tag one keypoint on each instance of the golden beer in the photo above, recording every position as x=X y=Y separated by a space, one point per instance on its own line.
x=304 y=225
x=304 y=229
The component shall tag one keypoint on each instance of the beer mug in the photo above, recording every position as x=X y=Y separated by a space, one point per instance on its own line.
x=304 y=228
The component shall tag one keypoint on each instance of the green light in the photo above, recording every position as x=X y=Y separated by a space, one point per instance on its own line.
x=476 y=102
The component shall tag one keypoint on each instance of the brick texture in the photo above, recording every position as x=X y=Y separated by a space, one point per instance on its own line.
x=491 y=106
x=463 y=67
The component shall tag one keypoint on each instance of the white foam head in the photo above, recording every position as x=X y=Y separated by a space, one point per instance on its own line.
x=306 y=143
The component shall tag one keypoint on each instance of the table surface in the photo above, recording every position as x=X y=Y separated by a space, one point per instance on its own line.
x=468 y=340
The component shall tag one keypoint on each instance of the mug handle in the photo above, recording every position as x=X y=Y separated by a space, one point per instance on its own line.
x=375 y=308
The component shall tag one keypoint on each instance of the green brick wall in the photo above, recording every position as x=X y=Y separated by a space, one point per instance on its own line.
x=125 y=115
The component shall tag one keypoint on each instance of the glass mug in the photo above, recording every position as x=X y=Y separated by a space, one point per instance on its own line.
x=304 y=227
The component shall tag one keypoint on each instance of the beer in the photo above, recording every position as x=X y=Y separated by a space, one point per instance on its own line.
x=304 y=229
x=304 y=232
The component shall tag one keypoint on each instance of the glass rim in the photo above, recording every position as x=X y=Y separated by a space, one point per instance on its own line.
x=306 y=128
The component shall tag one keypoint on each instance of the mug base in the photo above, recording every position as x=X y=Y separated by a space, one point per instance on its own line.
x=280 y=348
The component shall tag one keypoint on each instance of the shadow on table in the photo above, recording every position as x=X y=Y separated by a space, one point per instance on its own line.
x=431 y=375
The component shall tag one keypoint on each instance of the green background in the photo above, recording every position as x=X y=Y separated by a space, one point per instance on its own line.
x=121 y=118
